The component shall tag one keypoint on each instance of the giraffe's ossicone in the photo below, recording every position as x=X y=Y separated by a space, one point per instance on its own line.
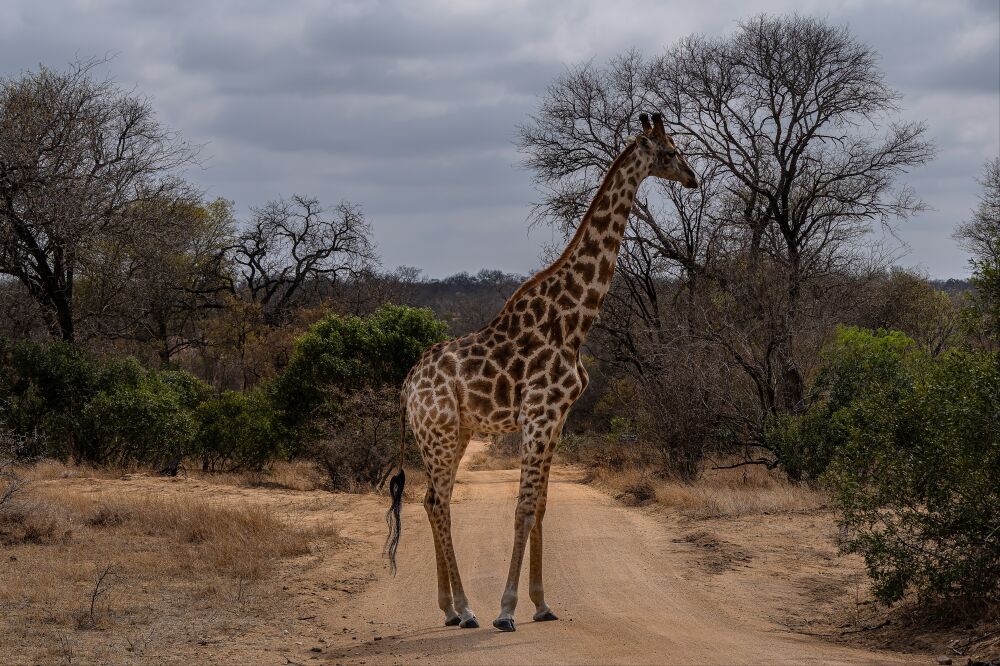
x=522 y=371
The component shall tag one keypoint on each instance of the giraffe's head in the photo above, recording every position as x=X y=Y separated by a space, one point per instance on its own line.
x=666 y=162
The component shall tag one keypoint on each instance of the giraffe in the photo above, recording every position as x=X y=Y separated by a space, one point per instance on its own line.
x=522 y=371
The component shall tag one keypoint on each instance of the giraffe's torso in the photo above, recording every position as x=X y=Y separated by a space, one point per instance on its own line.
x=490 y=382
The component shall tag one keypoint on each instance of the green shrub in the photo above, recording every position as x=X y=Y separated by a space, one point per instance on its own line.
x=910 y=446
x=43 y=390
x=120 y=372
x=861 y=370
x=917 y=484
x=237 y=430
x=860 y=361
x=115 y=412
x=348 y=354
x=190 y=390
x=134 y=419
x=804 y=444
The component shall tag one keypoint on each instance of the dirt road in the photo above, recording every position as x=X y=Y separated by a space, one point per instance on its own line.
x=618 y=581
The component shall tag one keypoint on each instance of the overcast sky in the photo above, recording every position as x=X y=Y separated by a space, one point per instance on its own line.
x=411 y=108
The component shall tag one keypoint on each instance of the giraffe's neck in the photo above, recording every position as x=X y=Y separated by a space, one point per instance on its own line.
x=573 y=287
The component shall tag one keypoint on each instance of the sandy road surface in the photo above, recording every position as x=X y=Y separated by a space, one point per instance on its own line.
x=613 y=575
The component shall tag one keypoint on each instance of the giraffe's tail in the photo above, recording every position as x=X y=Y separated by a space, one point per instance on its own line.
x=392 y=517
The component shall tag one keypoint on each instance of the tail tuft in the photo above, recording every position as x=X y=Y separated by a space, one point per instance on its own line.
x=392 y=518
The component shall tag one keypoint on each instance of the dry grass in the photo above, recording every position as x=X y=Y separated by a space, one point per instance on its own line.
x=108 y=571
x=484 y=461
x=716 y=494
x=297 y=475
x=25 y=520
x=48 y=469
x=242 y=541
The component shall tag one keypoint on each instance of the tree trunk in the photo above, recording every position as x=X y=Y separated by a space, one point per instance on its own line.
x=64 y=319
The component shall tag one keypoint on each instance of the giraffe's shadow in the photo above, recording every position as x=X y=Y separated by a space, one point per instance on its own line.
x=438 y=642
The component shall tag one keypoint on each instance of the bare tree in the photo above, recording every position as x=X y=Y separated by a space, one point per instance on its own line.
x=76 y=154
x=790 y=109
x=981 y=237
x=292 y=246
x=796 y=137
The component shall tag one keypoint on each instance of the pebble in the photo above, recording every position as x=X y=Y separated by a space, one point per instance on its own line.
x=944 y=661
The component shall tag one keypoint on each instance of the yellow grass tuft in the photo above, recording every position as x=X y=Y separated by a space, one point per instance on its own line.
x=296 y=475
x=242 y=541
x=751 y=490
x=485 y=460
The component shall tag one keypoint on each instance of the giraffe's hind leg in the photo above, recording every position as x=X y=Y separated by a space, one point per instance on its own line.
x=441 y=469
x=445 y=600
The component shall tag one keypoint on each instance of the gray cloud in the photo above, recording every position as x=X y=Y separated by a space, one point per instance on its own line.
x=411 y=109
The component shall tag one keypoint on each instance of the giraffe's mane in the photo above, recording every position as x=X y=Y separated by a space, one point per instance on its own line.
x=578 y=236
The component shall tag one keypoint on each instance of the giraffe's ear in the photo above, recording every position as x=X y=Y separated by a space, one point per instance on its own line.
x=643 y=142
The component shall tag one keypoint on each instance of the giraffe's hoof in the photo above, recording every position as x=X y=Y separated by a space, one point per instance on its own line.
x=545 y=616
x=504 y=624
x=452 y=621
x=471 y=623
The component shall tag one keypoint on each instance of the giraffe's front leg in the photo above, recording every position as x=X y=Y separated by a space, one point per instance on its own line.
x=524 y=521
x=533 y=462
x=535 y=588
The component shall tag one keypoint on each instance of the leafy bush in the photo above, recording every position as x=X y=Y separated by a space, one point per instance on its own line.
x=910 y=445
x=191 y=391
x=349 y=354
x=237 y=430
x=43 y=389
x=137 y=419
x=804 y=444
x=115 y=412
x=861 y=369
x=916 y=480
